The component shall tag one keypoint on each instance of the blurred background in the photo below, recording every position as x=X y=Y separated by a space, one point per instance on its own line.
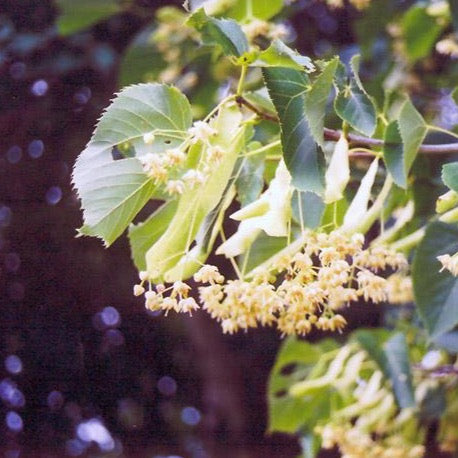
x=84 y=369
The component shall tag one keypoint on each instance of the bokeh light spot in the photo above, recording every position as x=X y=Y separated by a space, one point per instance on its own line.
x=5 y=216
x=55 y=400
x=13 y=364
x=110 y=316
x=94 y=430
x=53 y=195
x=83 y=95
x=36 y=148
x=167 y=386
x=190 y=416
x=14 y=421
x=14 y=154
x=40 y=88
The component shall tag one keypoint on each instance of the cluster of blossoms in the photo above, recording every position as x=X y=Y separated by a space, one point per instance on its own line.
x=355 y=441
x=370 y=423
x=171 y=38
x=449 y=263
x=258 y=28
x=175 y=297
x=299 y=290
x=168 y=168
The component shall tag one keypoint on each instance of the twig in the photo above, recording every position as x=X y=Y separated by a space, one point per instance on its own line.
x=354 y=139
x=439 y=371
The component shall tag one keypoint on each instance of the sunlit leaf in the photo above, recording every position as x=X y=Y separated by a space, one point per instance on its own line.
x=280 y=55
x=261 y=9
x=436 y=292
x=113 y=192
x=287 y=88
x=143 y=235
x=225 y=33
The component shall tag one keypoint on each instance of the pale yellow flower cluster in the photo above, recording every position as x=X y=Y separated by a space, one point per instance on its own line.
x=177 y=299
x=400 y=289
x=168 y=169
x=257 y=27
x=171 y=38
x=355 y=443
x=299 y=290
x=304 y=289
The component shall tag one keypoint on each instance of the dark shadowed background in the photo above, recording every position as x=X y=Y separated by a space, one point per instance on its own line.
x=85 y=370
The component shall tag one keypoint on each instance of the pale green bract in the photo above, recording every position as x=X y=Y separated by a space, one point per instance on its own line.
x=196 y=204
x=112 y=192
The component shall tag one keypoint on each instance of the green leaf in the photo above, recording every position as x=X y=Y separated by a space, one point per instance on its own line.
x=113 y=192
x=76 y=15
x=316 y=100
x=143 y=235
x=448 y=341
x=141 y=62
x=352 y=103
x=413 y=130
x=262 y=249
x=420 y=31
x=454 y=11
x=393 y=154
x=390 y=352
x=397 y=356
x=250 y=181
x=436 y=292
x=307 y=208
x=249 y=9
x=454 y=93
x=450 y=175
x=225 y=33
x=294 y=361
x=280 y=55
x=372 y=340
x=287 y=87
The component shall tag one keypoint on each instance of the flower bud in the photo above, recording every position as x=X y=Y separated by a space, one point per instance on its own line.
x=338 y=172
x=446 y=202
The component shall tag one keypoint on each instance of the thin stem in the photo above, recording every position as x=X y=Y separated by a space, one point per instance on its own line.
x=412 y=240
x=443 y=131
x=359 y=140
x=231 y=259
x=242 y=80
x=263 y=148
